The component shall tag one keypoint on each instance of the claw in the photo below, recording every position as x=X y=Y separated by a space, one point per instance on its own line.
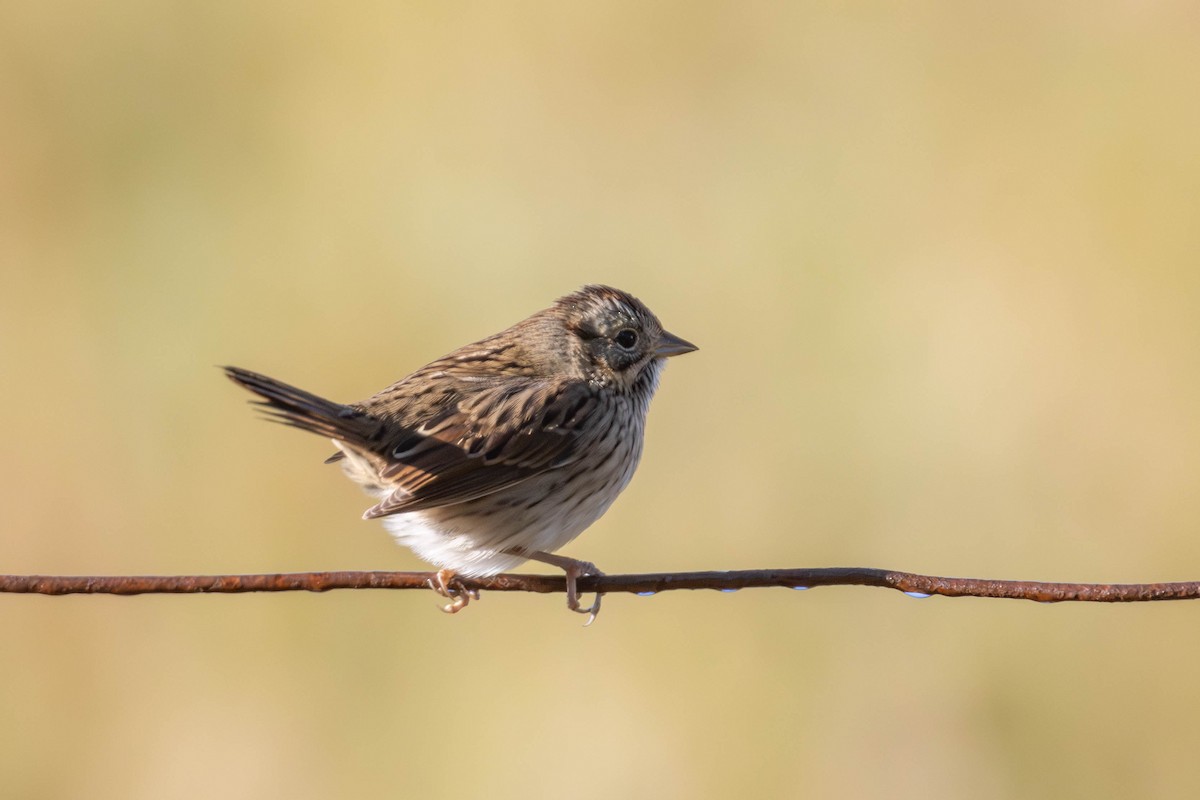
x=456 y=605
x=591 y=610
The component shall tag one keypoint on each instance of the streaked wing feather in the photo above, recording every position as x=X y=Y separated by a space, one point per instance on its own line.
x=492 y=440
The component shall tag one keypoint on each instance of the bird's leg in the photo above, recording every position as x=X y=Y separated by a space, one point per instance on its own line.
x=575 y=570
x=447 y=585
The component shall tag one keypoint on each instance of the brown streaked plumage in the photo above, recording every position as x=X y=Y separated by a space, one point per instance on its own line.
x=505 y=449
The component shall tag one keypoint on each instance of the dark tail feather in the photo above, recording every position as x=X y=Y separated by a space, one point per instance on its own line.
x=306 y=411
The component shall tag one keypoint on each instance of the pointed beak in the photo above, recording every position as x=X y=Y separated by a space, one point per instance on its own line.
x=671 y=345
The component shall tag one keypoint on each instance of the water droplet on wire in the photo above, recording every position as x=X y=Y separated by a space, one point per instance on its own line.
x=918 y=595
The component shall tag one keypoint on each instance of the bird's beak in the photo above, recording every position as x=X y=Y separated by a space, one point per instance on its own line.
x=671 y=345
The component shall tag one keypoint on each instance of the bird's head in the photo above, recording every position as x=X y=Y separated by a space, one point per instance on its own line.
x=616 y=341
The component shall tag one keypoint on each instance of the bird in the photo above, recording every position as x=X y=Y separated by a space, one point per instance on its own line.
x=506 y=449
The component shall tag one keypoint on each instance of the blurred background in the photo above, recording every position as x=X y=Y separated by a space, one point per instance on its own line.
x=941 y=260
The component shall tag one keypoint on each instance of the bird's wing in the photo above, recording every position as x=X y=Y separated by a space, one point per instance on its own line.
x=492 y=438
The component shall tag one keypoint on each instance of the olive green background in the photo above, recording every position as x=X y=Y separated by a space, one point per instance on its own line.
x=942 y=260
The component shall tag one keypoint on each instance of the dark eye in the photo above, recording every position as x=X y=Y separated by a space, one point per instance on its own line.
x=627 y=338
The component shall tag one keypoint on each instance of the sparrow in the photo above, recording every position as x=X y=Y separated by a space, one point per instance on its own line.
x=506 y=449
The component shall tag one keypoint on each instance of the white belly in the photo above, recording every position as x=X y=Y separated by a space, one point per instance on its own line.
x=541 y=514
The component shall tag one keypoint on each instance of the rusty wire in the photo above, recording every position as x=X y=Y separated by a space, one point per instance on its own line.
x=910 y=583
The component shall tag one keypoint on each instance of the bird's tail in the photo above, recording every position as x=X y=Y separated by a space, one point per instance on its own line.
x=300 y=409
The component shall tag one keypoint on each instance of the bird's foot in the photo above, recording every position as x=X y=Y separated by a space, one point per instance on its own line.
x=575 y=569
x=574 y=572
x=446 y=584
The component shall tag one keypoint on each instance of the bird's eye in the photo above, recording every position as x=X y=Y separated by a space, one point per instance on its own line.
x=627 y=338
